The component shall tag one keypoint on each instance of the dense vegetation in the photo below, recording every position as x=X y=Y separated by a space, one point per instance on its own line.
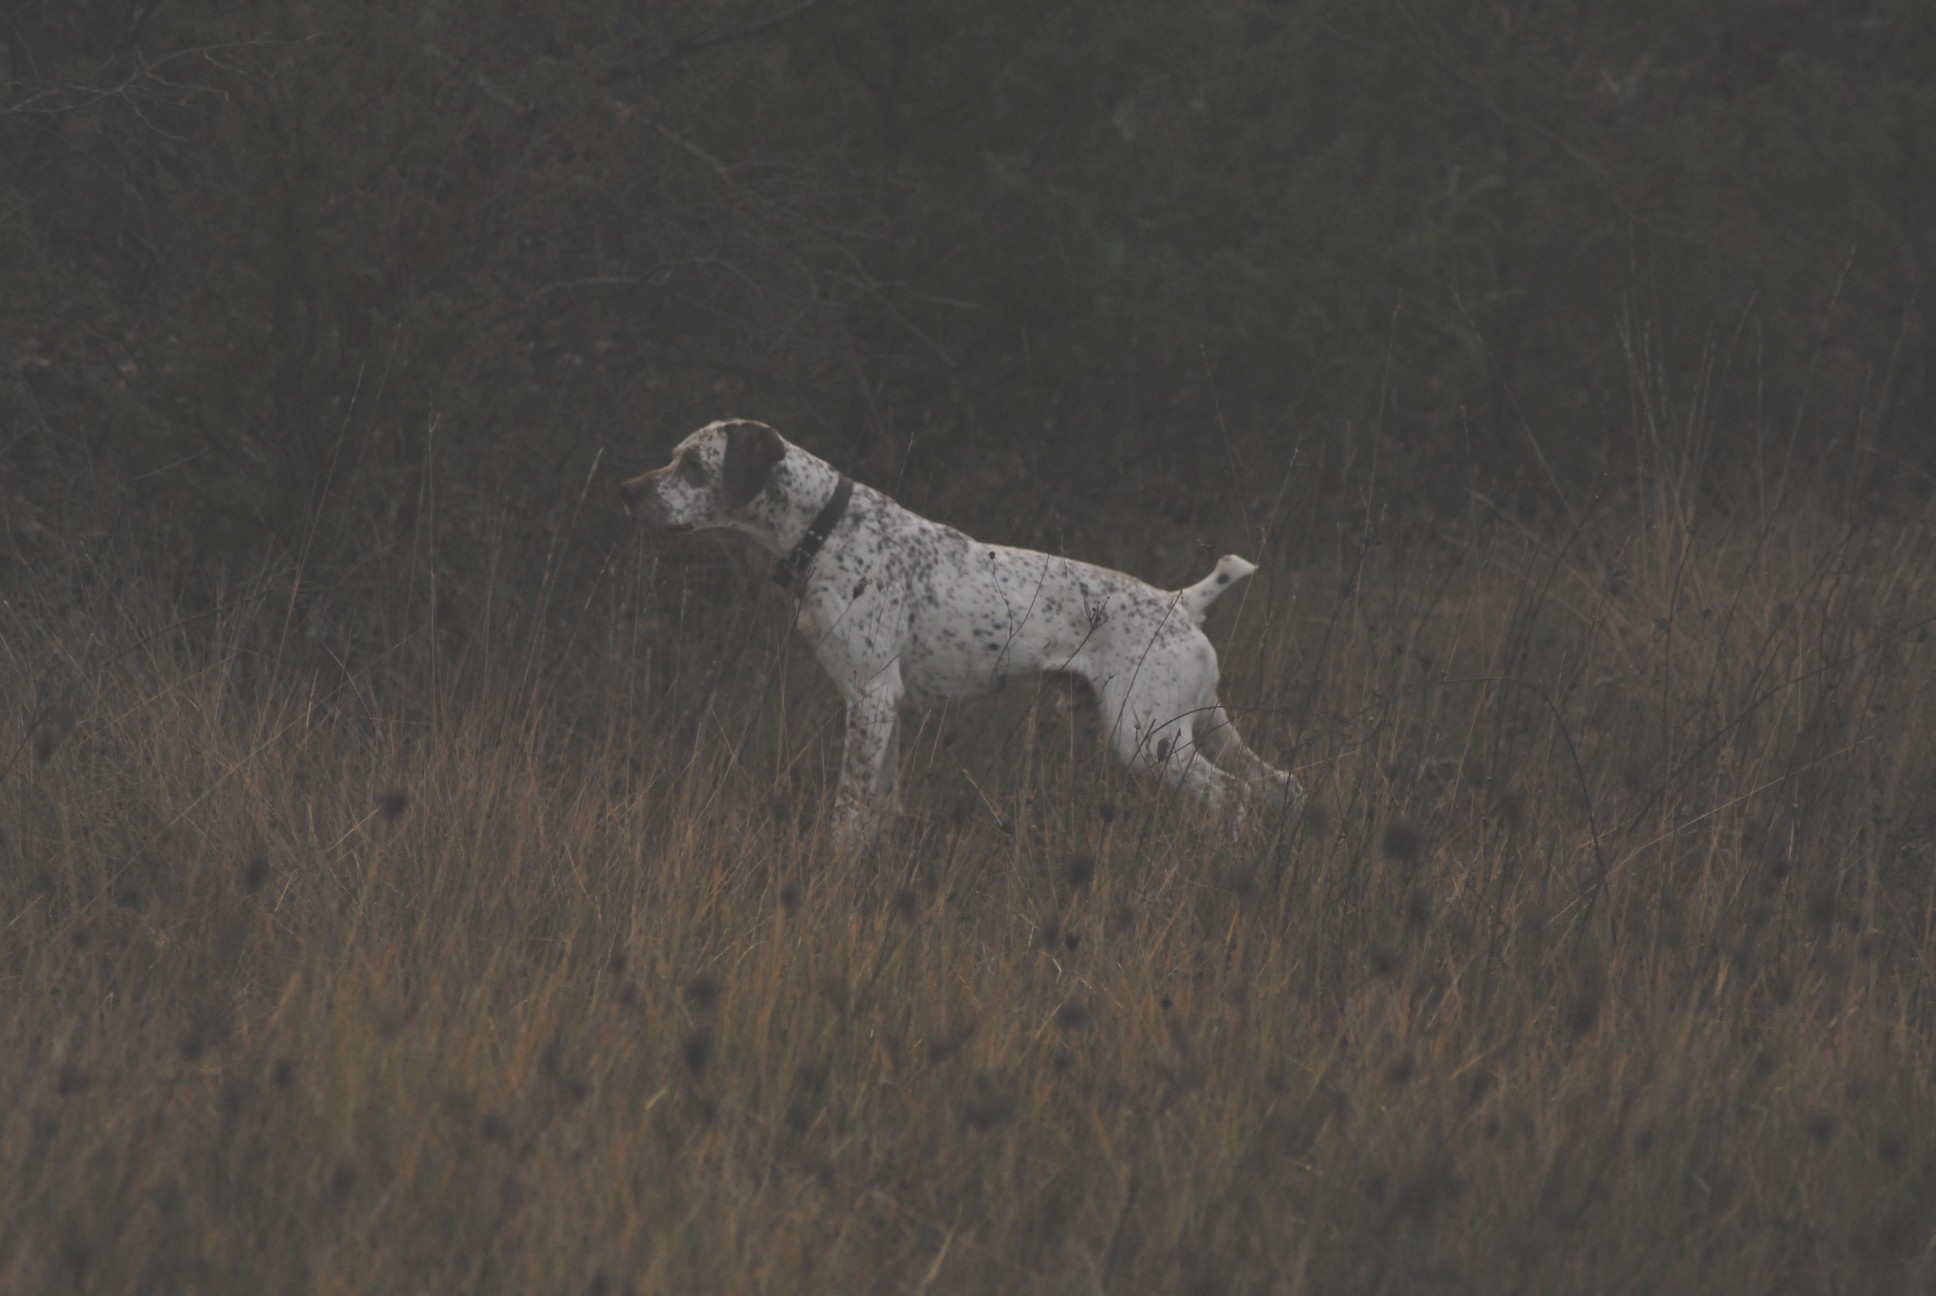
x=525 y=964
x=248 y=260
x=412 y=878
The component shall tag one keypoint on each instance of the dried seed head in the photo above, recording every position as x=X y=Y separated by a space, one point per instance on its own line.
x=76 y=1255
x=235 y=1095
x=789 y=897
x=1073 y=1016
x=208 y=1026
x=1402 y=842
x=809 y=1095
x=1424 y=1193
x=992 y=1105
x=1583 y=1012
x=943 y=1047
x=51 y=730
x=697 y=1051
x=1238 y=877
x=702 y=993
x=1509 y=807
x=833 y=989
x=1316 y=822
x=1418 y=908
x=1079 y=871
x=255 y=872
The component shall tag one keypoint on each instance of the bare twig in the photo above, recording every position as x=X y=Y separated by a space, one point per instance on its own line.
x=713 y=40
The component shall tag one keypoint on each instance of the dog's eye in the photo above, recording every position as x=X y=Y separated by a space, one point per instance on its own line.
x=692 y=470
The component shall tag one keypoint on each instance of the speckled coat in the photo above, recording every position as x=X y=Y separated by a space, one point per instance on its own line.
x=901 y=610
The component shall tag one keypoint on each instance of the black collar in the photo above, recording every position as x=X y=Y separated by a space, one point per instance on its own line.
x=794 y=566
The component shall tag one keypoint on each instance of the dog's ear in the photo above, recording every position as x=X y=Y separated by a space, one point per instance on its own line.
x=751 y=451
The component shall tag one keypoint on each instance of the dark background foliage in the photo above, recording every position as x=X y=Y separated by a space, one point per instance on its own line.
x=273 y=273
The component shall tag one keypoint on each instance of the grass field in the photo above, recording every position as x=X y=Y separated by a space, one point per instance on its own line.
x=501 y=947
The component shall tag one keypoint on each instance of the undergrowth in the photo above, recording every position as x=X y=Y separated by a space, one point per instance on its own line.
x=508 y=951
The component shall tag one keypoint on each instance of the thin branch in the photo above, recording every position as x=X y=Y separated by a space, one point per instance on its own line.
x=699 y=44
x=720 y=168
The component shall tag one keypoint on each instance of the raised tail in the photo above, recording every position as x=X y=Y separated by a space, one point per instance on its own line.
x=1196 y=599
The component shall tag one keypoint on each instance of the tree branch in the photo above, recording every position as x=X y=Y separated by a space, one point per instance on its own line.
x=698 y=44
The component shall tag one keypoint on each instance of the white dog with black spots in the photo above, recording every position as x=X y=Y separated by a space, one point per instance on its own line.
x=902 y=611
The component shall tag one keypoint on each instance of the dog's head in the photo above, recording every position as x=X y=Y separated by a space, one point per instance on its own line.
x=714 y=474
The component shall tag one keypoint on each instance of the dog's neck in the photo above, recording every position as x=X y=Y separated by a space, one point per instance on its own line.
x=800 y=484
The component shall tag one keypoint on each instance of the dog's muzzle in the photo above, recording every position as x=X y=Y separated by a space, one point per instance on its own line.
x=639 y=499
x=642 y=501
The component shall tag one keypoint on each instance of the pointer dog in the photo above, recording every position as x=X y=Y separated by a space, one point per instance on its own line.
x=901 y=610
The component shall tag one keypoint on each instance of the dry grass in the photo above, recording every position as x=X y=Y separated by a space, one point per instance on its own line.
x=471 y=966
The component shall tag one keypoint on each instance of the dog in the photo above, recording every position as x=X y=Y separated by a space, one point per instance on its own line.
x=902 y=611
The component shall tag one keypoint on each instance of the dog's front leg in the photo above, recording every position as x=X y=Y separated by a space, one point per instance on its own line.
x=867 y=765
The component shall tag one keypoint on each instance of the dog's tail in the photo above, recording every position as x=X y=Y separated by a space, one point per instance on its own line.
x=1196 y=599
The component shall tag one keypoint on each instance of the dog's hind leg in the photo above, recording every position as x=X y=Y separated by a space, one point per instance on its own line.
x=1219 y=739
x=1151 y=729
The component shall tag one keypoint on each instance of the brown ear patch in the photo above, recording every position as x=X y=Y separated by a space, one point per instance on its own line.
x=751 y=451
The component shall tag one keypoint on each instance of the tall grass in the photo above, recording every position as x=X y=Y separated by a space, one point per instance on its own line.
x=502 y=947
